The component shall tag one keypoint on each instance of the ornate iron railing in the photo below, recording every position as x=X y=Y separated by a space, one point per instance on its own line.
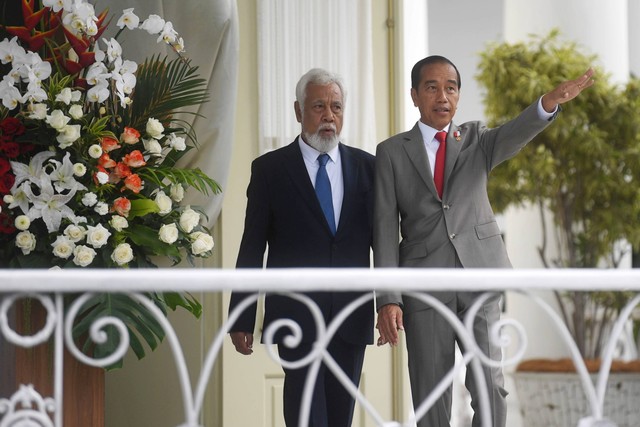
x=27 y=407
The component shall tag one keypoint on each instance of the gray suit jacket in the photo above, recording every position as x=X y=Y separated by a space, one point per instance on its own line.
x=462 y=224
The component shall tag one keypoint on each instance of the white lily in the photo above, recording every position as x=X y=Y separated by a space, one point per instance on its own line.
x=51 y=207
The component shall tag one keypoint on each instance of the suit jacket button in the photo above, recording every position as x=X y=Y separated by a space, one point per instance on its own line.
x=445 y=207
x=452 y=236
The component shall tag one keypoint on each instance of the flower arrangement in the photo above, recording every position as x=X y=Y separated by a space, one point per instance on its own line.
x=89 y=143
x=86 y=179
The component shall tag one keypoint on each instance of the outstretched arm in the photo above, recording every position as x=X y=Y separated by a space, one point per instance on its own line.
x=566 y=91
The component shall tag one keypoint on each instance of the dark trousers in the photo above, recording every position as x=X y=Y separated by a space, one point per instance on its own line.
x=331 y=405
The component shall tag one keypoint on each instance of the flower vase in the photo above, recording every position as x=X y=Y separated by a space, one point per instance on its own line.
x=83 y=385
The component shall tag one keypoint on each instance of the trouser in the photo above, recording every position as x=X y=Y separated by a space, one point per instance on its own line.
x=331 y=405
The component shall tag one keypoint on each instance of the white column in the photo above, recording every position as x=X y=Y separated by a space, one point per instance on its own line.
x=600 y=27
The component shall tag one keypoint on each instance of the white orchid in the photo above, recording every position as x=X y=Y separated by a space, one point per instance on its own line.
x=128 y=19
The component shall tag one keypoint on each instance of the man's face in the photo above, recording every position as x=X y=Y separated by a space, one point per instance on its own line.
x=437 y=94
x=321 y=114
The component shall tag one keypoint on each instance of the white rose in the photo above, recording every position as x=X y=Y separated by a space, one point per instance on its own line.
x=22 y=222
x=95 y=151
x=177 y=192
x=75 y=111
x=164 y=203
x=101 y=208
x=89 y=199
x=37 y=111
x=154 y=128
x=97 y=236
x=122 y=254
x=83 y=255
x=177 y=142
x=57 y=120
x=152 y=147
x=63 y=247
x=168 y=233
x=79 y=169
x=26 y=241
x=118 y=222
x=68 y=135
x=102 y=177
x=75 y=233
x=200 y=242
x=189 y=219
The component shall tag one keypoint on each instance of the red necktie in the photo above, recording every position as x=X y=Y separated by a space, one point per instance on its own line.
x=438 y=170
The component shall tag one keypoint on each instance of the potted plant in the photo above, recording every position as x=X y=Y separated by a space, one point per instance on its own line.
x=583 y=170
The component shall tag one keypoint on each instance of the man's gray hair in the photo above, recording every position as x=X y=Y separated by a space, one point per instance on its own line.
x=317 y=76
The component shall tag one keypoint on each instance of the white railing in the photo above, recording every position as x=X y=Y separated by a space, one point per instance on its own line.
x=27 y=407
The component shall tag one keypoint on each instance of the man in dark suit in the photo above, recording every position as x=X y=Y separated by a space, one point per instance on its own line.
x=431 y=184
x=312 y=212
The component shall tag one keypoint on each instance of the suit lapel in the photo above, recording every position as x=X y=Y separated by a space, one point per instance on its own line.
x=453 y=150
x=294 y=164
x=350 y=178
x=417 y=153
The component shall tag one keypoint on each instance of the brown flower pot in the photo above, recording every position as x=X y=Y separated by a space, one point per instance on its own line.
x=551 y=393
x=83 y=403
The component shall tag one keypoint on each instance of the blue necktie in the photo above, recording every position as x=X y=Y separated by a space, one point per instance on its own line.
x=323 y=191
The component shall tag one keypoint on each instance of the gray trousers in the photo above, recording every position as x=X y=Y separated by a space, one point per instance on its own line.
x=431 y=350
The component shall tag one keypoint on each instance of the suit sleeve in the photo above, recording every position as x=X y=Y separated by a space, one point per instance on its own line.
x=254 y=242
x=385 y=222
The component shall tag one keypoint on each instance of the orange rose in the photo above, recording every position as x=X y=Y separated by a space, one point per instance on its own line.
x=109 y=144
x=121 y=170
x=134 y=159
x=106 y=162
x=133 y=182
x=130 y=136
x=122 y=206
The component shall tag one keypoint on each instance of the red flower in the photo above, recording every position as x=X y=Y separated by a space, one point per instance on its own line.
x=133 y=182
x=106 y=162
x=5 y=166
x=130 y=136
x=122 y=206
x=135 y=159
x=6 y=182
x=109 y=144
x=121 y=170
x=12 y=127
x=10 y=149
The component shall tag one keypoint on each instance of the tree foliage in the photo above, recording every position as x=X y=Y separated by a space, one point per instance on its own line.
x=584 y=169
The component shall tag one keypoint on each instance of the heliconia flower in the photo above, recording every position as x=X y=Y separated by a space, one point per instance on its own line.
x=133 y=182
x=122 y=206
x=130 y=136
x=135 y=159
x=106 y=162
x=109 y=144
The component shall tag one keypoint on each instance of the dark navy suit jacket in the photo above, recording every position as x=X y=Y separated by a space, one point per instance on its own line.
x=284 y=217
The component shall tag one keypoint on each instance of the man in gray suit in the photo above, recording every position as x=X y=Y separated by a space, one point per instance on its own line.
x=435 y=194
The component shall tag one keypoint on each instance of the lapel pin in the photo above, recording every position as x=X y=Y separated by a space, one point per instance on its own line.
x=456 y=135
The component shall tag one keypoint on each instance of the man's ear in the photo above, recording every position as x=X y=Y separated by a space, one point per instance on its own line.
x=296 y=107
x=414 y=95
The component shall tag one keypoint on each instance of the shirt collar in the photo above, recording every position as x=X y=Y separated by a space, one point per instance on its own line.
x=429 y=133
x=310 y=154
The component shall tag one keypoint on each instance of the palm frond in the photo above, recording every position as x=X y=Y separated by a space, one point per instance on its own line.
x=163 y=88
x=191 y=177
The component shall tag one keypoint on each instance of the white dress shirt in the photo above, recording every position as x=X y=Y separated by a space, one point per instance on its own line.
x=334 y=170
